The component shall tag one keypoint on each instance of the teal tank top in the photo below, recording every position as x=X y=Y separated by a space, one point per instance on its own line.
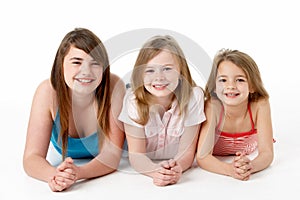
x=86 y=147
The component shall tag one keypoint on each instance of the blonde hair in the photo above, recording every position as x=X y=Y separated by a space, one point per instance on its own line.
x=87 y=41
x=247 y=64
x=150 y=49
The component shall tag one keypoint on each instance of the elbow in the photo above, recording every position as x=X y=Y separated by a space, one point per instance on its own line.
x=26 y=167
x=201 y=160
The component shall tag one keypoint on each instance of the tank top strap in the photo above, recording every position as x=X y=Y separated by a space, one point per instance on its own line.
x=250 y=114
x=220 y=118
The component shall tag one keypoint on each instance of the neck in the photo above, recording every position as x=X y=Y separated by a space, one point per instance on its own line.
x=236 y=110
x=165 y=102
x=82 y=101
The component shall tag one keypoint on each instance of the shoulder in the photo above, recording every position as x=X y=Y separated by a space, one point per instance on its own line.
x=117 y=85
x=198 y=92
x=45 y=95
x=115 y=79
x=196 y=97
x=260 y=106
x=212 y=107
x=213 y=103
x=45 y=89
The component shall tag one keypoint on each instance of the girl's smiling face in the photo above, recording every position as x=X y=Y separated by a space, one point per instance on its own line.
x=232 y=86
x=161 y=75
x=81 y=72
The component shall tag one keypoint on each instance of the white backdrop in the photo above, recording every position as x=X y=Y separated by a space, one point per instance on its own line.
x=32 y=30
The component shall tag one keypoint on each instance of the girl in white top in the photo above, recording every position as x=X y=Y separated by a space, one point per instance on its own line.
x=162 y=112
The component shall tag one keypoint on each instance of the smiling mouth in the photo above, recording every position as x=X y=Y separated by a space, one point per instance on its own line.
x=81 y=80
x=230 y=95
x=160 y=86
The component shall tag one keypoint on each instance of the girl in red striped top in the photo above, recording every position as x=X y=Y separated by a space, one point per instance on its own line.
x=238 y=118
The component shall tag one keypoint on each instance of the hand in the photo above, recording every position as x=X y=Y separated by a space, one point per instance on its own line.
x=65 y=176
x=242 y=166
x=175 y=167
x=163 y=175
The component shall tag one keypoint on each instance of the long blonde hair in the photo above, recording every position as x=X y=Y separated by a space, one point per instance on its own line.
x=87 y=41
x=149 y=50
x=247 y=64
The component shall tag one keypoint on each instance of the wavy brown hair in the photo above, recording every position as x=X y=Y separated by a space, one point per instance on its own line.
x=247 y=64
x=87 y=41
x=150 y=49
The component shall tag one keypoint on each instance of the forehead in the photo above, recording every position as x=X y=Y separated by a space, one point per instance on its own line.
x=228 y=68
x=75 y=52
x=163 y=58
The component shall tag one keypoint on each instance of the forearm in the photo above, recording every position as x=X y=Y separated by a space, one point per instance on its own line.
x=94 y=168
x=262 y=161
x=38 y=167
x=106 y=162
x=212 y=164
x=186 y=160
x=142 y=163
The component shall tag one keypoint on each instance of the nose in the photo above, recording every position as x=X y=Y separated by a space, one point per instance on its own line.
x=159 y=75
x=231 y=85
x=85 y=69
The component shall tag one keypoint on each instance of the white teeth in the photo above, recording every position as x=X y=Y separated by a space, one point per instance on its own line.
x=160 y=86
x=84 y=80
x=231 y=94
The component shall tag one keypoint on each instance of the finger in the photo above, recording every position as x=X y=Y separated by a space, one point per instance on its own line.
x=164 y=171
x=165 y=164
x=69 y=171
x=64 y=165
x=69 y=160
x=63 y=175
x=159 y=182
x=58 y=185
x=176 y=169
x=172 y=163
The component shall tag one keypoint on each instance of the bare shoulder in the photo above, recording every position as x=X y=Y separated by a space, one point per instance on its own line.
x=45 y=96
x=117 y=85
x=213 y=105
x=114 y=79
x=260 y=109
x=45 y=86
x=260 y=105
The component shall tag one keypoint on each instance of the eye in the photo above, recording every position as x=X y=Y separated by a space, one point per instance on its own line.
x=95 y=64
x=222 y=80
x=76 y=63
x=167 y=68
x=240 y=80
x=149 y=71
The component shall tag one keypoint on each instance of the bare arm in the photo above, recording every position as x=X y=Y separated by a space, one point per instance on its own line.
x=265 y=137
x=187 y=147
x=206 y=142
x=137 y=151
x=38 y=134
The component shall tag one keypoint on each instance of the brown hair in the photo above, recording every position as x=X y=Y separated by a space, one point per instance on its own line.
x=87 y=41
x=243 y=61
x=149 y=50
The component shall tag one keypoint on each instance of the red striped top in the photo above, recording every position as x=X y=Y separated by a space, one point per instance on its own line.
x=230 y=143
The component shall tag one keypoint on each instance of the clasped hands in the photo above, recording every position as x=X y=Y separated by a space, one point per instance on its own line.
x=169 y=173
x=66 y=175
x=242 y=167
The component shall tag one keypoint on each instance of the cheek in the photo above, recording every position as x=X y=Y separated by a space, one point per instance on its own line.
x=147 y=79
x=98 y=74
x=219 y=87
x=68 y=76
